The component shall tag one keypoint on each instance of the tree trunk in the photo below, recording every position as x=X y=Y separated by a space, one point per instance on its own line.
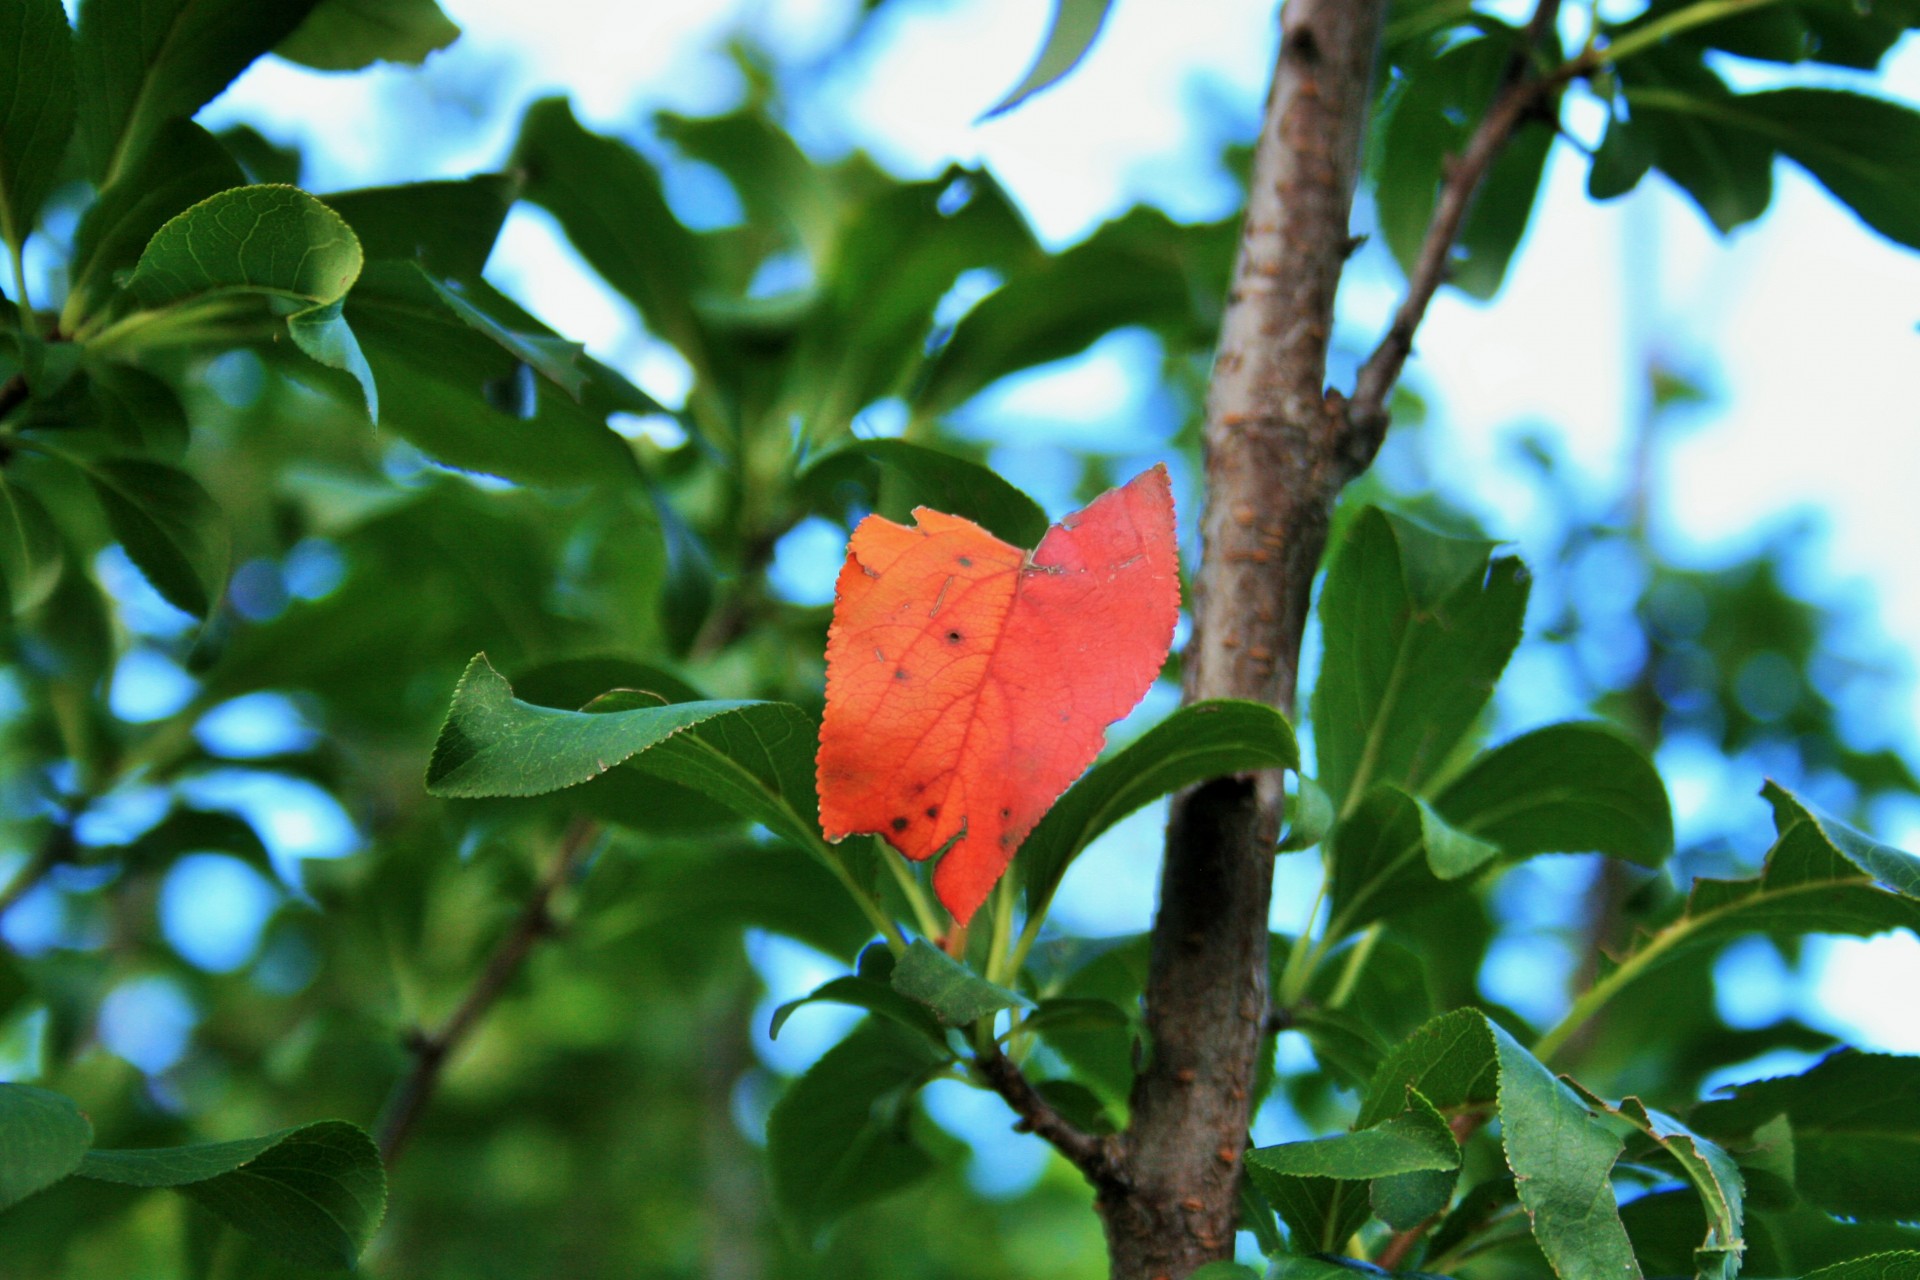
x=1277 y=452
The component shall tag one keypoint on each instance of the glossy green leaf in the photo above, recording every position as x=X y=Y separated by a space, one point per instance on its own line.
x=864 y=993
x=838 y=1137
x=323 y=333
x=1568 y=788
x=1408 y=1142
x=1708 y=1167
x=1387 y=854
x=42 y=1139
x=1075 y=25
x=1855 y=1125
x=1430 y=621
x=346 y=35
x=1862 y=149
x=934 y=478
x=1199 y=741
x=1449 y=1061
x=313 y=1195
x=754 y=757
x=147 y=62
x=169 y=526
x=488 y=312
x=32 y=551
x=181 y=166
x=140 y=413
x=36 y=108
x=448 y=227
x=956 y=994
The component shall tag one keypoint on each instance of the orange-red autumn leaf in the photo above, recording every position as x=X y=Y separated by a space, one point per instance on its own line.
x=969 y=682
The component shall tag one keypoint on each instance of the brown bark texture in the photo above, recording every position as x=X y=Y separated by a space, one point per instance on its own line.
x=1277 y=453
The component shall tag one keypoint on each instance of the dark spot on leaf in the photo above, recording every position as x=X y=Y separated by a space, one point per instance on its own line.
x=899 y=824
x=1064 y=717
x=933 y=811
x=900 y=673
x=953 y=637
x=966 y=562
x=1005 y=840
x=1006 y=813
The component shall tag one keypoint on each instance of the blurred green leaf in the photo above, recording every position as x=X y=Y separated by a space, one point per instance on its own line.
x=956 y=994
x=36 y=109
x=1676 y=105
x=1386 y=855
x=1431 y=621
x=1855 y=1121
x=1622 y=159
x=1310 y=816
x=346 y=35
x=146 y=62
x=1862 y=149
x=313 y=1195
x=178 y=168
x=1567 y=788
x=838 y=1136
x=42 y=1139
x=1199 y=741
x=954 y=485
x=448 y=227
x=169 y=526
x=139 y=412
x=31 y=551
x=488 y=312
x=1076 y=23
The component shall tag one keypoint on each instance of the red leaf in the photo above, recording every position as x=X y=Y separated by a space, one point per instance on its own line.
x=969 y=683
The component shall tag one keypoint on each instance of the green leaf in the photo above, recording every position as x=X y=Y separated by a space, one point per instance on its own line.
x=313 y=1195
x=1075 y=25
x=1855 y=1125
x=181 y=166
x=448 y=227
x=1110 y=972
x=1449 y=1061
x=1677 y=105
x=955 y=993
x=1862 y=149
x=1388 y=853
x=1568 y=788
x=1622 y=159
x=169 y=525
x=754 y=757
x=1310 y=817
x=838 y=1136
x=1904 y=1265
x=608 y=200
x=1420 y=626
x=1415 y=1139
x=465 y=400
x=864 y=993
x=42 y=1139
x=147 y=62
x=31 y=551
x=488 y=312
x=1714 y=1176
x=276 y=242
x=1561 y=1156
x=139 y=412
x=955 y=485
x=346 y=35
x=1199 y=741
x=36 y=109
x=1502 y=211
x=1141 y=269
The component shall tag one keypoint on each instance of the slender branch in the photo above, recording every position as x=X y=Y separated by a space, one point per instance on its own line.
x=431 y=1052
x=1525 y=91
x=1099 y=1158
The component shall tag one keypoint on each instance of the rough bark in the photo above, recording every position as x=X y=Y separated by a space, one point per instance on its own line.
x=1275 y=459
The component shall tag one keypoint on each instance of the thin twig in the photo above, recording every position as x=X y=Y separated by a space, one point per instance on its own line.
x=431 y=1052
x=1367 y=414
x=1099 y=1158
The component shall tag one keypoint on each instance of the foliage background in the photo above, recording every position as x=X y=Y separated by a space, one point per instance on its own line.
x=605 y=1117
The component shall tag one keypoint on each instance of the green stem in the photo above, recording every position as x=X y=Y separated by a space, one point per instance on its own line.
x=896 y=941
x=1356 y=964
x=1595 y=997
x=1305 y=956
x=999 y=949
x=1643 y=38
x=924 y=916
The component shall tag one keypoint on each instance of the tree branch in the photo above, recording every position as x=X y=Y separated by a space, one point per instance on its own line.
x=1096 y=1157
x=1273 y=468
x=432 y=1052
x=1522 y=96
